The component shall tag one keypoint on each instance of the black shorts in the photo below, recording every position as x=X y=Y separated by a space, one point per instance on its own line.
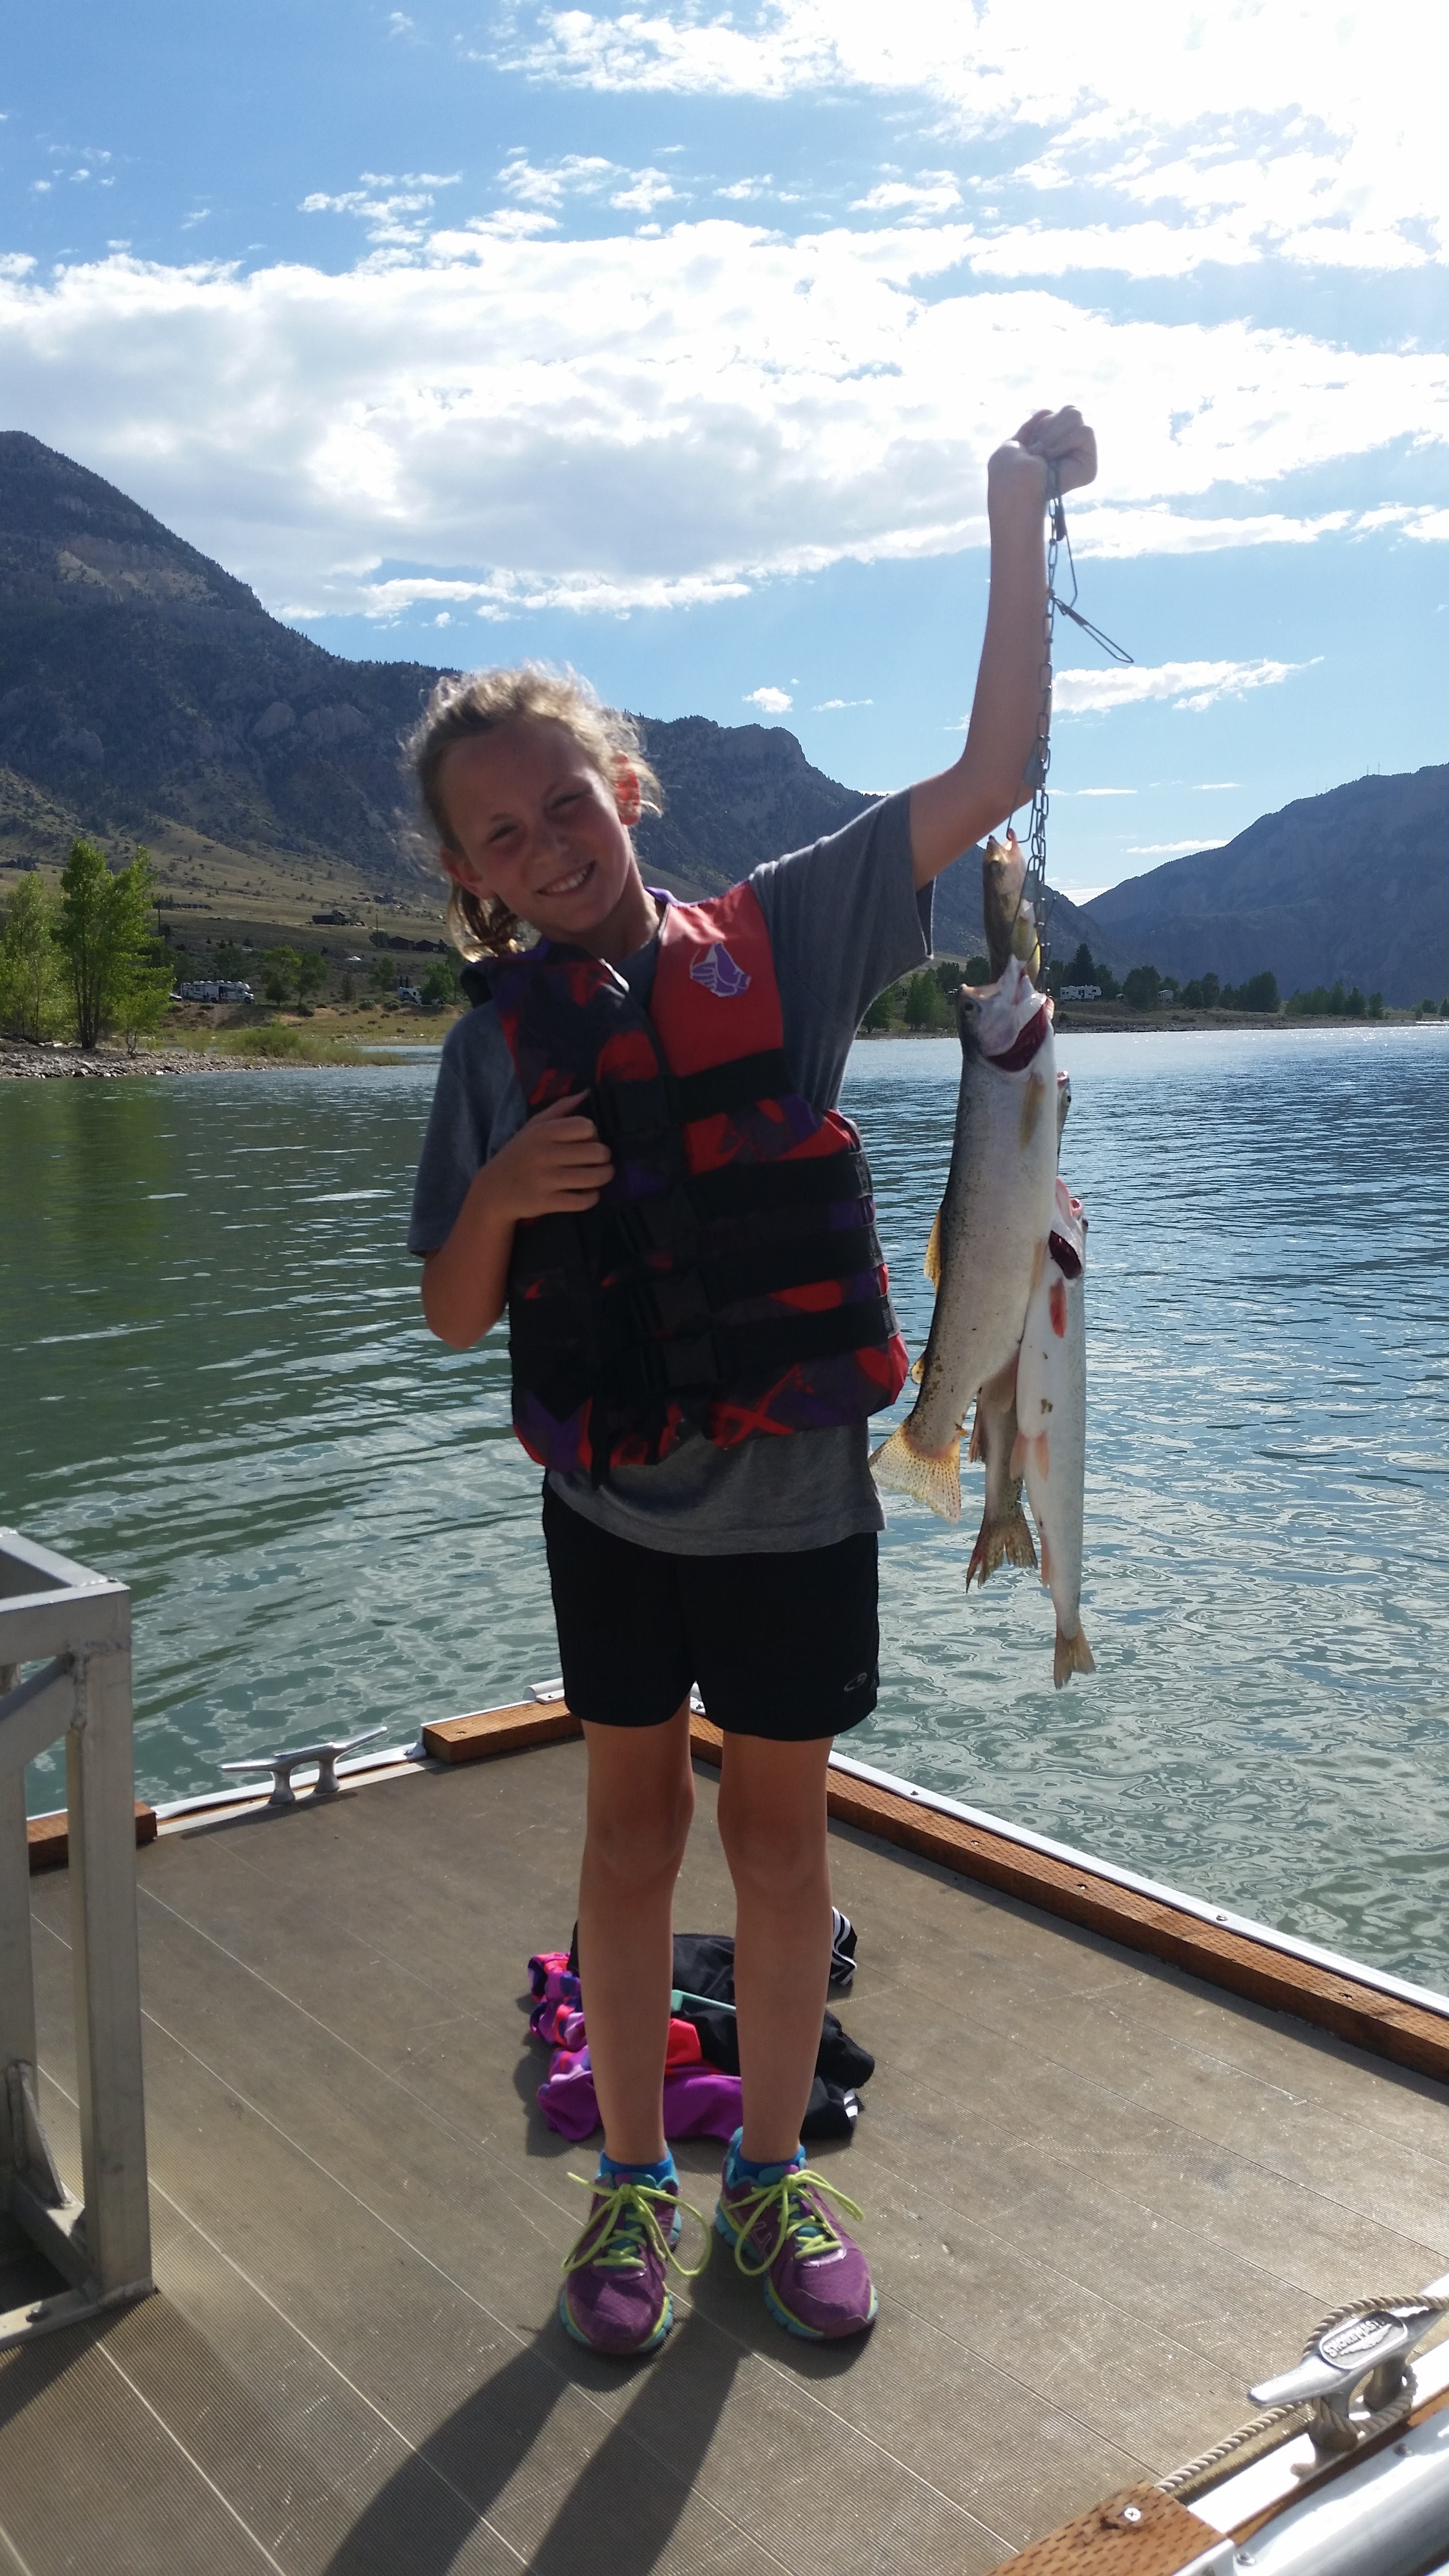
x=786 y=1646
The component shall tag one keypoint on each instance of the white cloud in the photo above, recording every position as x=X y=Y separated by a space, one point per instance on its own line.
x=1092 y=791
x=771 y=702
x=394 y=218
x=1338 y=160
x=585 y=174
x=934 y=193
x=828 y=706
x=1170 y=849
x=613 y=423
x=1191 y=687
x=1214 y=786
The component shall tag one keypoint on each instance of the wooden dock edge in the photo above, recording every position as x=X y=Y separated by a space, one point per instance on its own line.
x=500 y=1730
x=1383 y=2024
x=48 y=1837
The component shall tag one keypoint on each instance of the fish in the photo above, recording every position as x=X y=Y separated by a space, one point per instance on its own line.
x=1003 y=1538
x=1010 y=921
x=1051 y=1440
x=989 y=1237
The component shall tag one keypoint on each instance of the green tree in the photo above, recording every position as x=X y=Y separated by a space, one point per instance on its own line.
x=104 y=934
x=145 y=993
x=382 y=975
x=925 y=1002
x=1260 y=993
x=348 y=989
x=878 y=1013
x=440 y=985
x=279 y=966
x=977 y=970
x=31 y=997
x=232 y=962
x=1141 y=988
x=311 y=974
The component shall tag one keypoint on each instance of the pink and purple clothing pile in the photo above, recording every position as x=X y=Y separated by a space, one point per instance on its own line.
x=699 y=2100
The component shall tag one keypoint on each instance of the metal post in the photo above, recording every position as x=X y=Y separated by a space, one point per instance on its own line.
x=17 y=1975
x=76 y=1627
x=100 y=1797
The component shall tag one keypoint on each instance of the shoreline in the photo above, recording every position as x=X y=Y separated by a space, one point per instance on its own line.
x=1078 y=1022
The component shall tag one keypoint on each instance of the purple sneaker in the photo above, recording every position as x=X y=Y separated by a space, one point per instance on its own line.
x=615 y=2297
x=817 y=2281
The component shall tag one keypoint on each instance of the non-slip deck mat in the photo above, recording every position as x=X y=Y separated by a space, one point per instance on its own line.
x=1100 y=2199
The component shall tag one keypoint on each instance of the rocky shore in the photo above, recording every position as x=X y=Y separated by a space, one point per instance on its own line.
x=107 y=1064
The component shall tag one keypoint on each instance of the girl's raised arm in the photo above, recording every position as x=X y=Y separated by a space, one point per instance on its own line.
x=992 y=777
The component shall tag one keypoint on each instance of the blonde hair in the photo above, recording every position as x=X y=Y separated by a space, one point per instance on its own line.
x=469 y=703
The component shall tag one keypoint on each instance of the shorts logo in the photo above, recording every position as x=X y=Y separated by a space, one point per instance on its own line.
x=859 y=1680
x=717 y=972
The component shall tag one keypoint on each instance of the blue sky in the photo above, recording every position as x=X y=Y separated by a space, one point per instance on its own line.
x=673 y=343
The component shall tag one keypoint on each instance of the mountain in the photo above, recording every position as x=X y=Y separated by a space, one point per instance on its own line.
x=146 y=694
x=1352 y=884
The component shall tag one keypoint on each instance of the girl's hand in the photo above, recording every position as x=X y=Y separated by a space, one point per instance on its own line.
x=555 y=1166
x=1061 y=438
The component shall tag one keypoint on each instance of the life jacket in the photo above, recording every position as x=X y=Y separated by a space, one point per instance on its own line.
x=730 y=1275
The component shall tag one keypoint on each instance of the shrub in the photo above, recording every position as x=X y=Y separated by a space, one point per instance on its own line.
x=1260 y=993
x=293 y=1046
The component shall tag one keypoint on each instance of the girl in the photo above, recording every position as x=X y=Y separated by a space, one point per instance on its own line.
x=634 y=1146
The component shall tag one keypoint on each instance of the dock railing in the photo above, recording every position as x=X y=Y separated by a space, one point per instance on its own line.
x=76 y=1626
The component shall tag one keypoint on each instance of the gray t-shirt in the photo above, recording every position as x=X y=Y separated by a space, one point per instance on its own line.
x=844 y=920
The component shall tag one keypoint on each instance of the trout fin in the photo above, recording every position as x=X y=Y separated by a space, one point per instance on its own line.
x=1003 y=1542
x=977 y=1450
x=918 y=1368
x=932 y=1263
x=933 y=1479
x=1016 y=1465
x=1073 y=1655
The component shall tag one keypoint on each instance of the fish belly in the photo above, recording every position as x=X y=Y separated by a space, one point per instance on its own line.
x=1051 y=1449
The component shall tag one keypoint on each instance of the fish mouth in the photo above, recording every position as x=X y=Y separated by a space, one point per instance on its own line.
x=1023 y=1047
x=1066 y=1256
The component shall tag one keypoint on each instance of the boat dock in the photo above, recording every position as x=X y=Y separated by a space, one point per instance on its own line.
x=1101 y=2196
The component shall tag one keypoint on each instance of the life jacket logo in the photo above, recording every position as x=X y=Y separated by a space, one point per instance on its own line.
x=717 y=972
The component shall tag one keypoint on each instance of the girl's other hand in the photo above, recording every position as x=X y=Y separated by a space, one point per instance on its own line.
x=555 y=1166
x=1061 y=438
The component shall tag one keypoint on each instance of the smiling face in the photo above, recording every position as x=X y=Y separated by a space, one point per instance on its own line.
x=532 y=822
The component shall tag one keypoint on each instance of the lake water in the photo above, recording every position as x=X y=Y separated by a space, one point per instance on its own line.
x=217 y=1385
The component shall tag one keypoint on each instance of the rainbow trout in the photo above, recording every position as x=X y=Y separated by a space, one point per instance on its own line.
x=1051 y=1409
x=1006 y=908
x=988 y=1237
x=1004 y=1538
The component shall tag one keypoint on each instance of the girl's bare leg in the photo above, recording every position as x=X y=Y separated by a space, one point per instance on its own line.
x=772 y=1822
x=641 y=1801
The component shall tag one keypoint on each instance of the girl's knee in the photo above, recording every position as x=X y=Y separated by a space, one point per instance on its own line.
x=641 y=1839
x=781 y=1853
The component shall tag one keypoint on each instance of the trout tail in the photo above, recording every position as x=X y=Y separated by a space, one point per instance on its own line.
x=1073 y=1655
x=933 y=1478
x=1003 y=1542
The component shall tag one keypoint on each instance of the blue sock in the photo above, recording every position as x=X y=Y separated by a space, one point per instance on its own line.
x=740 y=2168
x=659 y=2174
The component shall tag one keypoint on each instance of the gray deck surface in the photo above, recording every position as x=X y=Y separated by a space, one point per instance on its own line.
x=1099 y=2198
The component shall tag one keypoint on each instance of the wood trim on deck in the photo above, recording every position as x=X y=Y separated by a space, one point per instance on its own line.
x=1383 y=2024
x=48 y=1837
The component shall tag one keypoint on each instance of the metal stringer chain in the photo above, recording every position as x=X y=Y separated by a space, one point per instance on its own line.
x=1036 y=846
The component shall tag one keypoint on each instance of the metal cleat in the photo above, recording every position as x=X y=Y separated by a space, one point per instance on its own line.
x=1355 y=2374
x=282 y=1766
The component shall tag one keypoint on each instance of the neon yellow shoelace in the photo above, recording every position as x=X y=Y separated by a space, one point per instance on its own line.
x=809 y=2228
x=618 y=2233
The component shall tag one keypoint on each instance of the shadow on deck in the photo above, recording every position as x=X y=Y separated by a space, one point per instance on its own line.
x=1100 y=2197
